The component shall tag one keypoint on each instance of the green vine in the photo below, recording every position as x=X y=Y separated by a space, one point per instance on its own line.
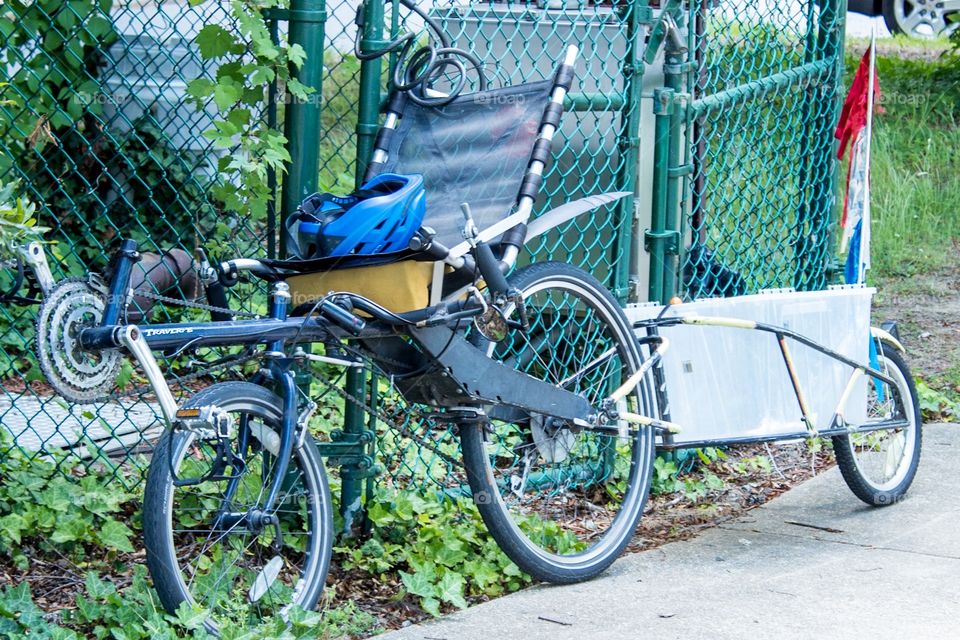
x=249 y=62
x=18 y=223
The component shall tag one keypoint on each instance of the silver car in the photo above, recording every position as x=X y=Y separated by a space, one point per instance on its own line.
x=917 y=18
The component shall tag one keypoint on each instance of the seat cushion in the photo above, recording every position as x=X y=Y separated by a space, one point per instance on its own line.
x=397 y=286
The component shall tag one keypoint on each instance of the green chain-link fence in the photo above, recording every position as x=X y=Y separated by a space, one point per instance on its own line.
x=721 y=127
x=97 y=126
x=765 y=85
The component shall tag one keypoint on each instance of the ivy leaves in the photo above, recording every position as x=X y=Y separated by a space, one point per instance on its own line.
x=52 y=49
x=40 y=507
x=18 y=223
x=437 y=546
x=249 y=62
x=215 y=42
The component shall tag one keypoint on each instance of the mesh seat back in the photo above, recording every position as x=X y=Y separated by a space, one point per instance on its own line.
x=474 y=149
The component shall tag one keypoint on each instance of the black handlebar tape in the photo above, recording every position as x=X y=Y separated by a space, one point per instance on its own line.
x=384 y=137
x=530 y=187
x=342 y=318
x=565 y=76
x=551 y=114
x=489 y=268
x=541 y=150
x=397 y=102
x=217 y=297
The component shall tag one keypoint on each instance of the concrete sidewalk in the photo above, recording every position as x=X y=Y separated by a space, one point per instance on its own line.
x=814 y=563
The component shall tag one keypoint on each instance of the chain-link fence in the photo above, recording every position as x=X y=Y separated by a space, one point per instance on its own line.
x=98 y=127
x=761 y=186
x=719 y=119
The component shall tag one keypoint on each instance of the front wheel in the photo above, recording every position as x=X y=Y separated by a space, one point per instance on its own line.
x=562 y=501
x=212 y=544
x=879 y=466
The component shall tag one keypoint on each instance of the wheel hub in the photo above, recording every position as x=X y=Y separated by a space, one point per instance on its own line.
x=553 y=438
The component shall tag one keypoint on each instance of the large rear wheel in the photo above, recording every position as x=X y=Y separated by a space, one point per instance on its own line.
x=563 y=501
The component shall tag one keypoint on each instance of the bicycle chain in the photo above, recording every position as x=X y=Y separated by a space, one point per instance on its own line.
x=387 y=419
x=180 y=380
x=192 y=304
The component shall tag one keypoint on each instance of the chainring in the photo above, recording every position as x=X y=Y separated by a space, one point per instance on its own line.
x=79 y=376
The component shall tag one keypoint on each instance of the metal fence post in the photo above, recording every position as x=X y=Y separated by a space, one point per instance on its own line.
x=812 y=240
x=368 y=109
x=658 y=237
x=625 y=220
x=302 y=118
x=674 y=73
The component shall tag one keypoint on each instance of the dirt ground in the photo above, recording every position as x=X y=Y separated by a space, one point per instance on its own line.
x=667 y=518
x=927 y=311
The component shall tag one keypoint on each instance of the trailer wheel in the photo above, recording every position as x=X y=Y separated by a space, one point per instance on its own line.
x=879 y=466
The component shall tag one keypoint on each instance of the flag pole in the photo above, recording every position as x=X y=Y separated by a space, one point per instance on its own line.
x=865 y=221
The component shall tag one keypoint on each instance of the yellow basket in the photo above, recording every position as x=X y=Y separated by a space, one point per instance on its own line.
x=398 y=286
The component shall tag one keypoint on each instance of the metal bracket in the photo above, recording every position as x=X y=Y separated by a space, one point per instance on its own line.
x=670 y=240
x=132 y=338
x=349 y=450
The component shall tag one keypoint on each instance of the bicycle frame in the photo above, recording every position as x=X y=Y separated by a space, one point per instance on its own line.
x=464 y=378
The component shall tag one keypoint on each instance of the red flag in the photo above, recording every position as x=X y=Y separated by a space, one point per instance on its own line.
x=853 y=117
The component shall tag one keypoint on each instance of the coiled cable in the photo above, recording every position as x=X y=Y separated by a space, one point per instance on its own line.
x=418 y=68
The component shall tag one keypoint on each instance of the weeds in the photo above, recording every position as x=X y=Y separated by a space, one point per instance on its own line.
x=915 y=161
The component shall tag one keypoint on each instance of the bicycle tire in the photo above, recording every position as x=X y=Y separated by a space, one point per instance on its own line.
x=510 y=526
x=175 y=579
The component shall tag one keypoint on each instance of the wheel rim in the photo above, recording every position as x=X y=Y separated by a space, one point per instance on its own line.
x=883 y=457
x=229 y=570
x=925 y=18
x=564 y=489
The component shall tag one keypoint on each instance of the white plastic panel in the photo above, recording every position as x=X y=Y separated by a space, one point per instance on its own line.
x=732 y=383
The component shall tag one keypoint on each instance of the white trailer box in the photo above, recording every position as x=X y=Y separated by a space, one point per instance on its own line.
x=732 y=383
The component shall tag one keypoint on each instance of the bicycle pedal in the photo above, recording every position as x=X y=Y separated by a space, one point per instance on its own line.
x=208 y=422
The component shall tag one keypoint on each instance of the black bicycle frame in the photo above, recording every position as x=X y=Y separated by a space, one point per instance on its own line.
x=459 y=375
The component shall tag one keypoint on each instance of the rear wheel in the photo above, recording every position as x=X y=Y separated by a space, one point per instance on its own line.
x=212 y=544
x=879 y=466
x=562 y=501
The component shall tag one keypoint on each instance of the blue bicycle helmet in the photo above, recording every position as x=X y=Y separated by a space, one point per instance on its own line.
x=381 y=217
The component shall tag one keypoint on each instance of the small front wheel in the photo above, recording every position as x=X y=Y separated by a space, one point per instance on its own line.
x=879 y=466
x=562 y=500
x=212 y=544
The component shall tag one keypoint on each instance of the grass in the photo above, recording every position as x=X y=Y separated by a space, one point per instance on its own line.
x=915 y=164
